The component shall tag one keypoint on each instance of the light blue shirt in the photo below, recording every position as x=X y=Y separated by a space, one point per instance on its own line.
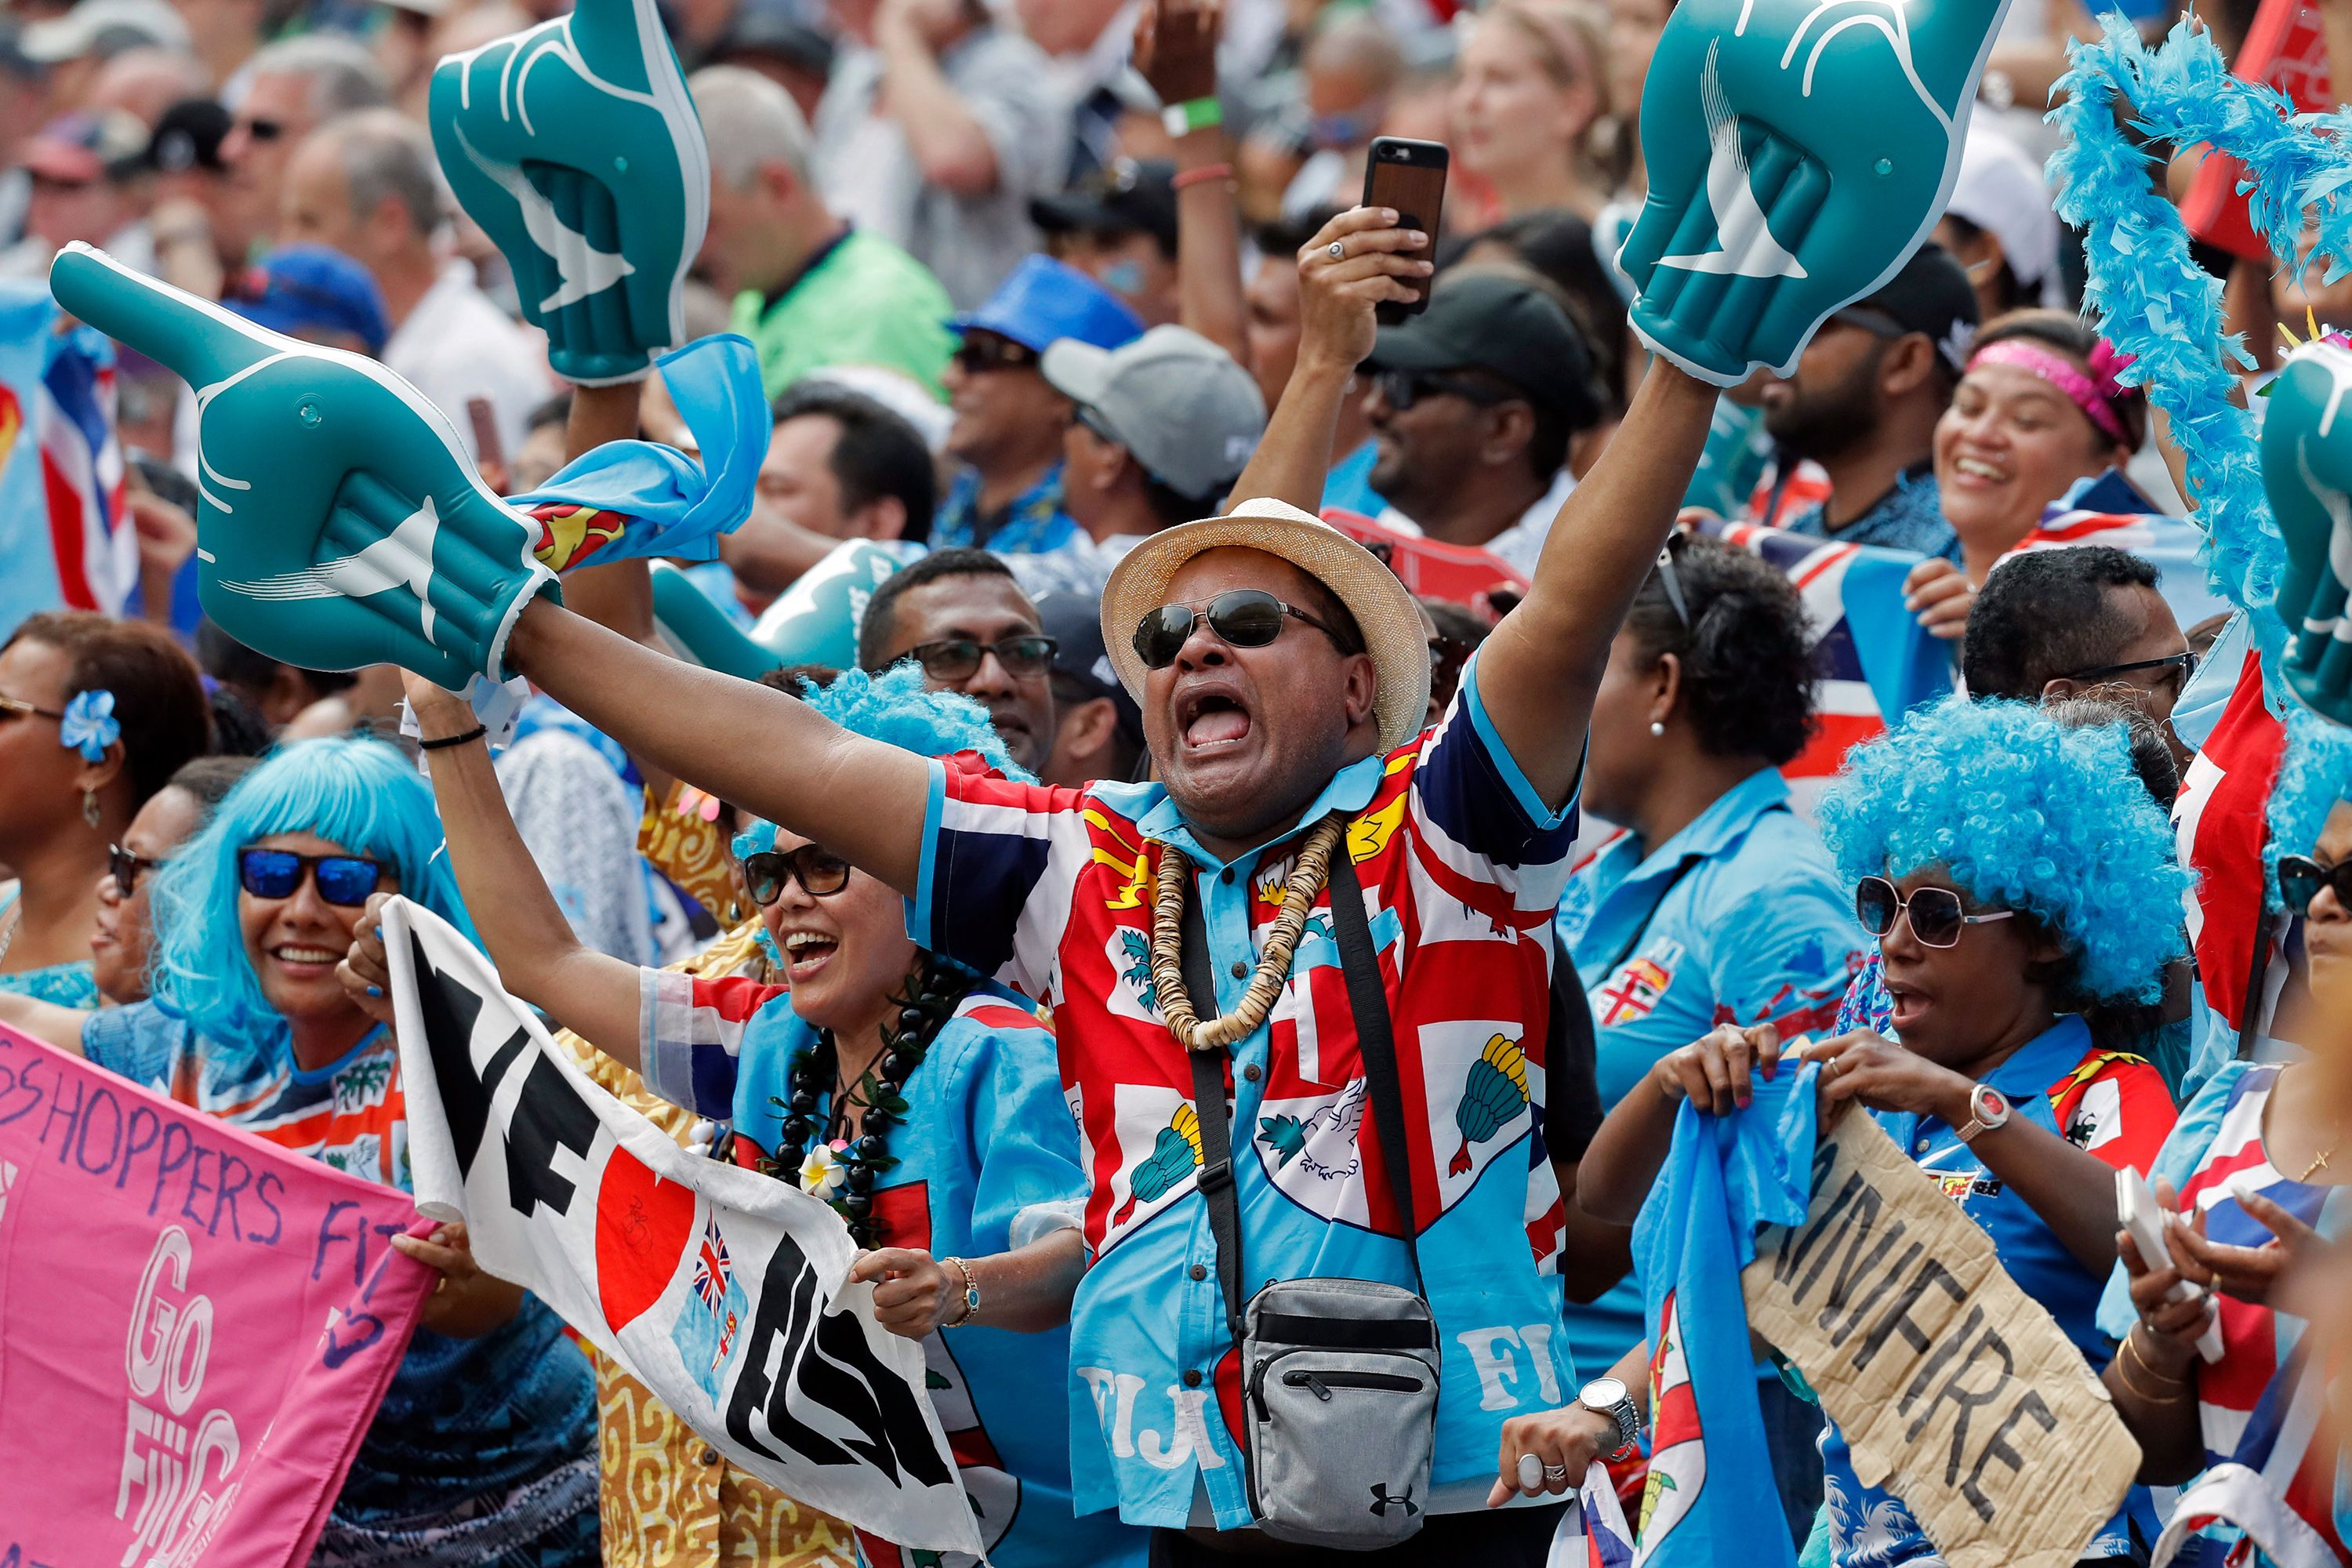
x=1739 y=918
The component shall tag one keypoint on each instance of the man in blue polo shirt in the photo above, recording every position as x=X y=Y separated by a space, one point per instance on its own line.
x=1008 y=419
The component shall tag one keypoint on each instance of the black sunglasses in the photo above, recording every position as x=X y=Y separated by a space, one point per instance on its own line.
x=1400 y=389
x=820 y=874
x=1876 y=323
x=2183 y=661
x=2301 y=878
x=977 y=355
x=126 y=868
x=264 y=130
x=957 y=658
x=344 y=880
x=1243 y=617
x=1936 y=914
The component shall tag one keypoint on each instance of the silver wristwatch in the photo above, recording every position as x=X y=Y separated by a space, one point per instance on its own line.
x=1607 y=1396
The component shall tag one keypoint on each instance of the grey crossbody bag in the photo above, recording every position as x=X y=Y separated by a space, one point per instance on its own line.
x=1338 y=1376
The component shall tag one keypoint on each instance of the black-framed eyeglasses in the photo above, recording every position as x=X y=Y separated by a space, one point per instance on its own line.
x=264 y=130
x=1936 y=914
x=978 y=353
x=2184 y=661
x=126 y=868
x=820 y=873
x=952 y=659
x=344 y=881
x=17 y=707
x=1243 y=617
x=1400 y=389
x=2302 y=879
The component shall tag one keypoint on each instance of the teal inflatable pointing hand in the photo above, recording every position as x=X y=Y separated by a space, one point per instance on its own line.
x=1799 y=150
x=576 y=146
x=340 y=524
x=2307 y=472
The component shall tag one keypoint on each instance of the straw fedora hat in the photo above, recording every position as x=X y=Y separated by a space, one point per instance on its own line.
x=1383 y=606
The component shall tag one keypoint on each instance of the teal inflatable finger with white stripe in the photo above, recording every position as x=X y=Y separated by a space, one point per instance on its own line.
x=339 y=523
x=1799 y=150
x=2308 y=474
x=575 y=145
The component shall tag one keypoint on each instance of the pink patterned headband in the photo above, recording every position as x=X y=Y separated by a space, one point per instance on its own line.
x=2094 y=393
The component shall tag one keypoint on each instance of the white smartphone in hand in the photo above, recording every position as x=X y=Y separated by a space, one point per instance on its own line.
x=2143 y=1217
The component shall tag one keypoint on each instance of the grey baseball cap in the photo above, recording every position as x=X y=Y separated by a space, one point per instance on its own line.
x=1177 y=401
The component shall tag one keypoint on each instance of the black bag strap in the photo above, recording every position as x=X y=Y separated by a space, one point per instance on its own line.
x=1216 y=1177
x=1367 y=1000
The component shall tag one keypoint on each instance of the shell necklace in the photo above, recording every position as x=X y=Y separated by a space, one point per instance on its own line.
x=1175 y=880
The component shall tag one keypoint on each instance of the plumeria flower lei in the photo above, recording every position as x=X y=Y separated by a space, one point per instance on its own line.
x=822 y=1174
x=90 y=725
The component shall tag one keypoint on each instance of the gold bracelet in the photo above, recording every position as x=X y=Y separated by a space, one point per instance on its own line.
x=970 y=1294
x=2131 y=1352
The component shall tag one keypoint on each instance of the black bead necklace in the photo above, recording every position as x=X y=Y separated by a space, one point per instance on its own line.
x=935 y=989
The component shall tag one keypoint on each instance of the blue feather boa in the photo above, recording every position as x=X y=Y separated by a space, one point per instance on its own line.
x=2154 y=302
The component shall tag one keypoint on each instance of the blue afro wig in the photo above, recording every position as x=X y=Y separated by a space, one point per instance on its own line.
x=895 y=708
x=360 y=793
x=2314 y=773
x=2025 y=814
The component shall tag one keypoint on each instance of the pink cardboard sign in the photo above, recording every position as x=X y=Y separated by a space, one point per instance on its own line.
x=196 y=1326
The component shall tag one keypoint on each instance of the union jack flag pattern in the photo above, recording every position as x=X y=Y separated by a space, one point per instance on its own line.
x=66 y=538
x=2272 y=1469
x=2108 y=510
x=1873 y=661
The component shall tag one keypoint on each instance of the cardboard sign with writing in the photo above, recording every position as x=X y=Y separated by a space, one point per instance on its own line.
x=1955 y=1390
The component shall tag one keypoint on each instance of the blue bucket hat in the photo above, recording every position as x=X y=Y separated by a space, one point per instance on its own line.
x=1046 y=300
x=307 y=288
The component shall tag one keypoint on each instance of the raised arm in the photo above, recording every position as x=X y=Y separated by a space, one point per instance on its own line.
x=740 y=741
x=1337 y=298
x=1538 y=672
x=539 y=959
x=1175 y=50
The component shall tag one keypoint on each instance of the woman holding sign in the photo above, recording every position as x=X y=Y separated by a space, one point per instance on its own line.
x=484 y=1440
x=2242 y=1181
x=2015 y=873
x=921 y=1102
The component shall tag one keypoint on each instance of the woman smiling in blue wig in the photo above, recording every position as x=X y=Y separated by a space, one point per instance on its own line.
x=2015 y=871
x=922 y=1103
x=248 y=1023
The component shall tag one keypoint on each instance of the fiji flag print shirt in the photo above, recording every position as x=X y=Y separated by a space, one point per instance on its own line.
x=984 y=1156
x=1462 y=865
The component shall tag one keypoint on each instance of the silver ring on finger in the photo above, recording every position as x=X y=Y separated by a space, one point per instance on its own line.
x=1530 y=1471
x=1336 y=250
x=1555 y=1474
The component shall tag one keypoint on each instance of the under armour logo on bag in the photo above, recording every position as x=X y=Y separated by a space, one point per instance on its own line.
x=1383 y=1502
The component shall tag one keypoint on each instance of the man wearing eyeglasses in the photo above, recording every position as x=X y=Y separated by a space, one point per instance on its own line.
x=959 y=615
x=2087 y=620
x=1472 y=405
x=1008 y=418
x=1863 y=402
x=293 y=88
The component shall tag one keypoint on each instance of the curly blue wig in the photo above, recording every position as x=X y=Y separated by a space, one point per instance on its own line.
x=2314 y=773
x=895 y=708
x=360 y=793
x=2025 y=814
